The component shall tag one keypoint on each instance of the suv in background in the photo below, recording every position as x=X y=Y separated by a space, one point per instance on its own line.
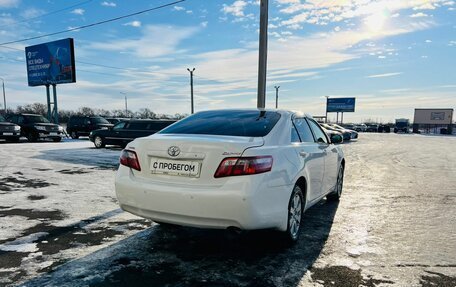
x=36 y=127
x=83 y=125
x=9 y=131
x=124 y=132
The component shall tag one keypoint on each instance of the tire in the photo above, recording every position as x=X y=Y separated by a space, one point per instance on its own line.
x=74 y=135
x=99 y=142
x=32 y=137
x=56 y=140
x=337 y=193
x=295 y=213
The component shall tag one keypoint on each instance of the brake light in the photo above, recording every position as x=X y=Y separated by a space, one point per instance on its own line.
x=233 y=166
x=130 y=159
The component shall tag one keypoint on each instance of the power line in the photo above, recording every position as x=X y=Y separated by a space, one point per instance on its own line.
x=47 y=14
x=94 y=24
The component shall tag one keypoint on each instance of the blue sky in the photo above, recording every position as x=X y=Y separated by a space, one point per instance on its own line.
x=393 y=56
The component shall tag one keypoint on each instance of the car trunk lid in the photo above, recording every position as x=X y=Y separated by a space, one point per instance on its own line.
x=188 y=159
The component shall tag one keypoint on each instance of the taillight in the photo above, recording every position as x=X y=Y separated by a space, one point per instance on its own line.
x=233 y=166
x=130 y=159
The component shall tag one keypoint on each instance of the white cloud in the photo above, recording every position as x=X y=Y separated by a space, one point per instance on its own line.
x=108 y=4
x=156 y=41
x=426 y=6
x=320 y=12
x=204 y=24
x=78 y=11
x=235 y=9
x=384 y=75
x=178 y=8
x=31 y=12
x=133 y=24
x=9 y=3
x=418 y=15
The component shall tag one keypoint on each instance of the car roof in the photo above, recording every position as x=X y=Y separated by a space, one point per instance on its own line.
x=280 y=111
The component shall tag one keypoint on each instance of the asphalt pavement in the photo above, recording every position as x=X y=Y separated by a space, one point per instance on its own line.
x=394 y=226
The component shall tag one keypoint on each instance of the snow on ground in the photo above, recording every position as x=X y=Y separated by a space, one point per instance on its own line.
x=60 y=225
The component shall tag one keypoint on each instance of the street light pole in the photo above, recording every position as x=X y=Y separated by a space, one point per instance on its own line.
x=4 y=96
x=191 y=87
x=126 y=105
x=277 y=96
x=326 y=117
x=263 y=54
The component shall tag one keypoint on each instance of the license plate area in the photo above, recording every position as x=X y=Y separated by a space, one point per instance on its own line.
x=53 y=134
x=7 y=134
x=183 y=168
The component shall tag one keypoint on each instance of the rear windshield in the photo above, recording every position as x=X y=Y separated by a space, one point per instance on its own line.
x=36 y=119
x=99 y=120
x=226 y=123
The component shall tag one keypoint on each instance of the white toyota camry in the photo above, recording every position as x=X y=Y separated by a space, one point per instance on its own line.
x=245 y=169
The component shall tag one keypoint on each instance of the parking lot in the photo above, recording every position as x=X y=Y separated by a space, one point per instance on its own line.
x=60 y=225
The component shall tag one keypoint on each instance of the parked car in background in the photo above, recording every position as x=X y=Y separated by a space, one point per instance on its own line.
x=372 y=128
x=36 y=127
x=360 y=128
x=384 y=129
x=236 y=169
x=353 y=134
x=9 y=131
x=82 y=125
x=345 y=133
x=124 y=132
x=402 y=125
x=332 y=134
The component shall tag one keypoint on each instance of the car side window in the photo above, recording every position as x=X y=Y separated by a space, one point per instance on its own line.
x=119 y=126
x=20 y=119
x=303 y=130
x=87 y=122
x=320 y=136
x=294 y=135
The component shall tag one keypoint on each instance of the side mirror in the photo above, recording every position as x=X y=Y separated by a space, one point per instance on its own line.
x=336 y=138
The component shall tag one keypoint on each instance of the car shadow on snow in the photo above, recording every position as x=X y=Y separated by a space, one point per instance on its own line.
x=181 y=256
x=100 y=158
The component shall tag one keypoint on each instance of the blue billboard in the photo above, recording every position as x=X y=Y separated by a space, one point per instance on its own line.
x=51 y=63
x=334 y=105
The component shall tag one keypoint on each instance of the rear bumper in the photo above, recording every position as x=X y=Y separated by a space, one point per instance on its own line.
x=233 y=204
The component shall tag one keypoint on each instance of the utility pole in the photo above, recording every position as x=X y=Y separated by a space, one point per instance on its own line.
x=277 y=96
x=191 y=88
x=126 y=105
x=4 y=96
x=326 y=117
x=263 y=54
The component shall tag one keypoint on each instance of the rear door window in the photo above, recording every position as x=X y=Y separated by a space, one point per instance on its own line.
x=304 y=131
x=227 y=123
x=320 y=136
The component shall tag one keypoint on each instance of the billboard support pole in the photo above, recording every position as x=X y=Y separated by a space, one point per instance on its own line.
x=342 y=118
x=337 y=118
x=55 y=112
x=48 y=94
x=263 y=54
x=326 y=117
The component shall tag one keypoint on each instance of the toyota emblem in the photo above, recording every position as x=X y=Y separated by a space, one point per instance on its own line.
x=174 y=151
